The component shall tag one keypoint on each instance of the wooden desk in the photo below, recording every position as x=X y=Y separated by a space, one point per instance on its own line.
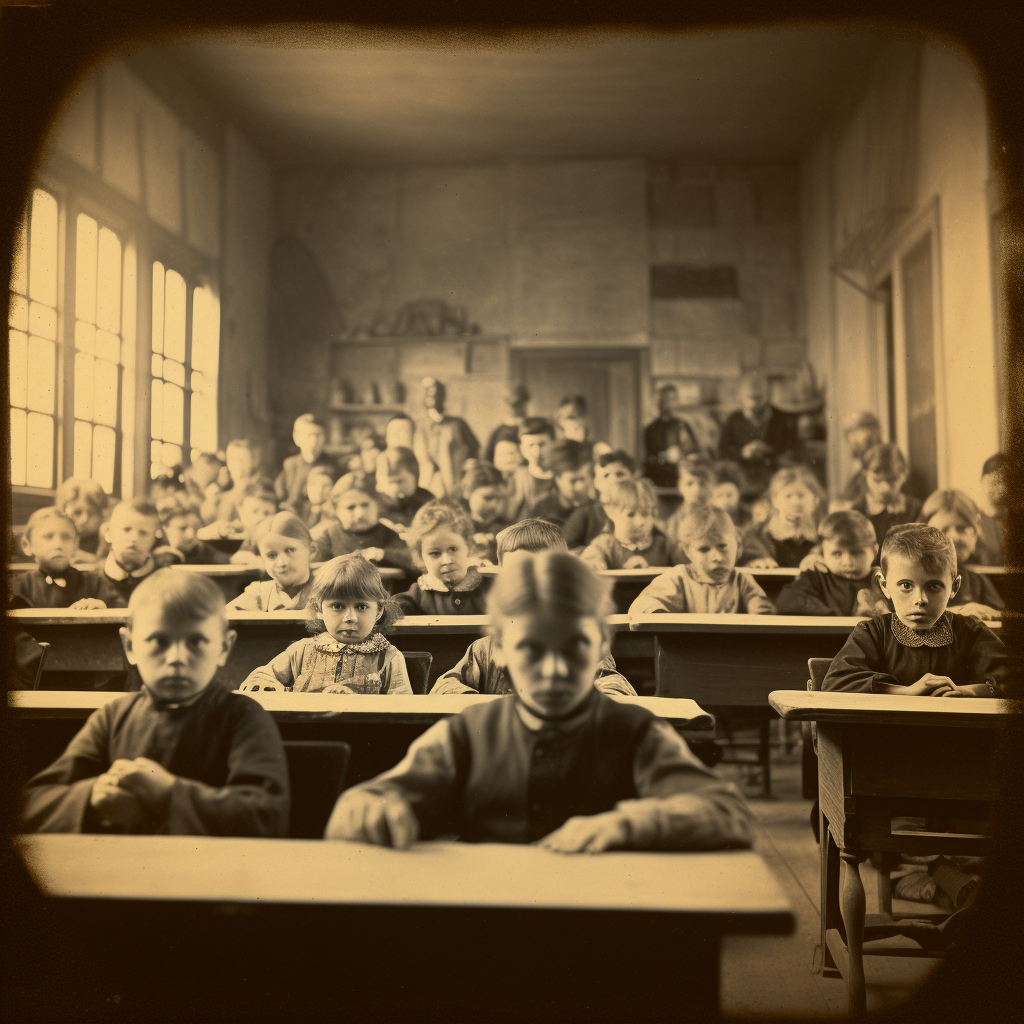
x=879 y=757
x=534 y=927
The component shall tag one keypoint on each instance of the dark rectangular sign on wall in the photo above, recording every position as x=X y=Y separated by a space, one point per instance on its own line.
x=678 y=281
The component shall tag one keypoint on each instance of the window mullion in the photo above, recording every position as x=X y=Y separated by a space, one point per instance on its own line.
x=64 y=406
x=186 y=431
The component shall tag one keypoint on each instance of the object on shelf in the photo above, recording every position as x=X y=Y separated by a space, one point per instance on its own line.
x=417 y=318
x=370 y=394
x=341 y=392
x=396 y=392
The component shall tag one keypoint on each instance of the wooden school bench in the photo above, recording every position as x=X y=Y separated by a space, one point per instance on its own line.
x=882 y=756
x=533 y=930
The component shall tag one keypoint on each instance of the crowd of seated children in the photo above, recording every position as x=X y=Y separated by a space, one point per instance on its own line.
x=572 y=470
x=919 y=648
x=87 y=505
x=181 y=524
x=708 y=583
x=354 y=526
x=399 y=495
x=480 y=671
x=180 y=756
x=350 y=654
x=50 y=540
x=290 y=485
x=990 y=528
x=532 y=482
x=958 y=518
x=320 y=482
x=616 y=776
x=790 y=533
x=845 y=584
x=588 y=519
x=634 y=542
x=131 y=535
x=884 y=501
x=284 y=544
x=439 y=538
x=483 y=496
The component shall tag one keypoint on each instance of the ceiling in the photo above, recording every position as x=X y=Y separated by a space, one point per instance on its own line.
x=335 y=96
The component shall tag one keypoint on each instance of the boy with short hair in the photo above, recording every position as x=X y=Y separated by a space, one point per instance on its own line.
x=290 y=486
x=319 y=483
x=131 y=534
x=478 y=672
x=920 y=648
x=847 y=586
x=589 y=520
x=573 y=472
x=533 y=482
x=709 y=583
x=258 y=502
x=182 y=756
x=399 y=495
x=50 y=540
x=181 y=524
x=633 y=542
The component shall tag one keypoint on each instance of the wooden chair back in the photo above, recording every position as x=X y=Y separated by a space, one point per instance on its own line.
x=418 y=664
x=818 y=669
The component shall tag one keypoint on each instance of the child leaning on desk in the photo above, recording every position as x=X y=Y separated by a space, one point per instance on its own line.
x=556 y=761
x=920 y=648
x=480 y=671
x=183 y=755
x=351 y=654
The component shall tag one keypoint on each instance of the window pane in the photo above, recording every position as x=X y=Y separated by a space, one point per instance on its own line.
x=156 y=449
x=42 y=367
x=39 y=444
x=205 y=331
x=171 y=455
x=17 y=315
x=158 y=307
x=85 y=385
x=83 y=449
x=19 y=368
x=174 y=316
x=174 y=414
x=108 y=282
x=108 y=346
x=19 y=268
x=174 y=372
x=106 y=393
x=85 y=270
x=156 y=410
x=104 y=447
x=203 y=424
x=85 y=337
x=157 y=365
x=18 y=447
x=42 y=253
x=42 y=320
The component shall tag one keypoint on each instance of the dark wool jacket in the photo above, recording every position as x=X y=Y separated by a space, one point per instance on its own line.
x=36 y=589
x=429 y=596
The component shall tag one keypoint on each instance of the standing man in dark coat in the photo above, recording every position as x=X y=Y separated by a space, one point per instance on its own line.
x=667 y=440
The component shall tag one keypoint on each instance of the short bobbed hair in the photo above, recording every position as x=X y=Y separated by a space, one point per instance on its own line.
x=796 y=475
x=537 y=425
x=78 y=488
x=618 y=457
x=950 y=501
x=530 y=535
x=568 y=457
x=477 y=473
x=886 y=459
x=397 y=459
x=182 y=595
x=632 y=494
x=922 y=543
x=702 y=521
x=285 y=524
x=433 y=515
x=850 y=529
x=353 y=576
x=698 y=467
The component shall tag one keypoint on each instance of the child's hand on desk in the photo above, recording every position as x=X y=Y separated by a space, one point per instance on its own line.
x=635 y=562
x=337 y=688
x=373 y=554
x=85 y=604
x=145 y=779
x=383 y=819
x=762 y=563
x=930 y=685
x=592 y=834
x=114 y=805
x=982 y=611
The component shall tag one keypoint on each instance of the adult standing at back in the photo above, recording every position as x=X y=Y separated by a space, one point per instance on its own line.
x=442 y=443
x=667 y=440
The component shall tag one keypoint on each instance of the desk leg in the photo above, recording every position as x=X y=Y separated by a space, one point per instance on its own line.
x=830 y=916
x=853 y=909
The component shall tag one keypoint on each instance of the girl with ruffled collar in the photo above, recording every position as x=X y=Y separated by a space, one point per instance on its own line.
x=350 y=654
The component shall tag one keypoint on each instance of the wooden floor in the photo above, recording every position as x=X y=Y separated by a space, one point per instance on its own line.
x=769 y=975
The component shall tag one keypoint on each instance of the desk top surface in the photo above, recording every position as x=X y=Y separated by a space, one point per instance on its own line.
x=889 y=709
x=361 y=707
x=254 y=571
x=733 y=887
x=653 y=572
x=722 y=622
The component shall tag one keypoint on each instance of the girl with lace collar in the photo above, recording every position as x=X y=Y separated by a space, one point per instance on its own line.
x=790 y=535
x=350 y=653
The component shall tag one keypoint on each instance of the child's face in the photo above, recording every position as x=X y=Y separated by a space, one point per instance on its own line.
x=852 y=563
x=606 y=476
x=181 y=531
x=713 y=556
x=176 y=658
x=991 y=484
x=534 y=447
x=445 y=554
x=51 y=544
x=963 y=535
x=753 y=397
x=349 y=619
x=399 y=485
x=552 y=658
x=240 y=463
x=694 y=489
x=204 y=473
x=286 y=559
x=918 y=596
x=507 y=457
x=632 y=526
x=726 y=496
x=795 y=501
x=574 y=484
x=486 y=504
x=131 y=537
x=355 y=511
x=572 y=426
x=310 y=439
x=318 y=488
x=883 y=487
x=85 y=516
x=252 y=511
x=861 y=440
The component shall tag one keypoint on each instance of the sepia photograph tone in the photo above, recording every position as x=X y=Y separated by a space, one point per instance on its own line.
x=512 y=517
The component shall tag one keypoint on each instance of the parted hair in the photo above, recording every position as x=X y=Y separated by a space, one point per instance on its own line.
x=950 y=501
x=793 y=475
x=438 y=513
x=885 y=458
x=77 y=488
x=49 y=512
x=630 y=494
x=530 y=535
x=396 y=460
x=187 y=596
x=568 y=457
x=924 y=544
x=285 y=524
x=702 y=520
x=477 y=473
x=353 y=576
x=850 y=528
x=554 y=581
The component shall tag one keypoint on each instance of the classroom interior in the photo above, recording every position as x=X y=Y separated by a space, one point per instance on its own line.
x=229 y=231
